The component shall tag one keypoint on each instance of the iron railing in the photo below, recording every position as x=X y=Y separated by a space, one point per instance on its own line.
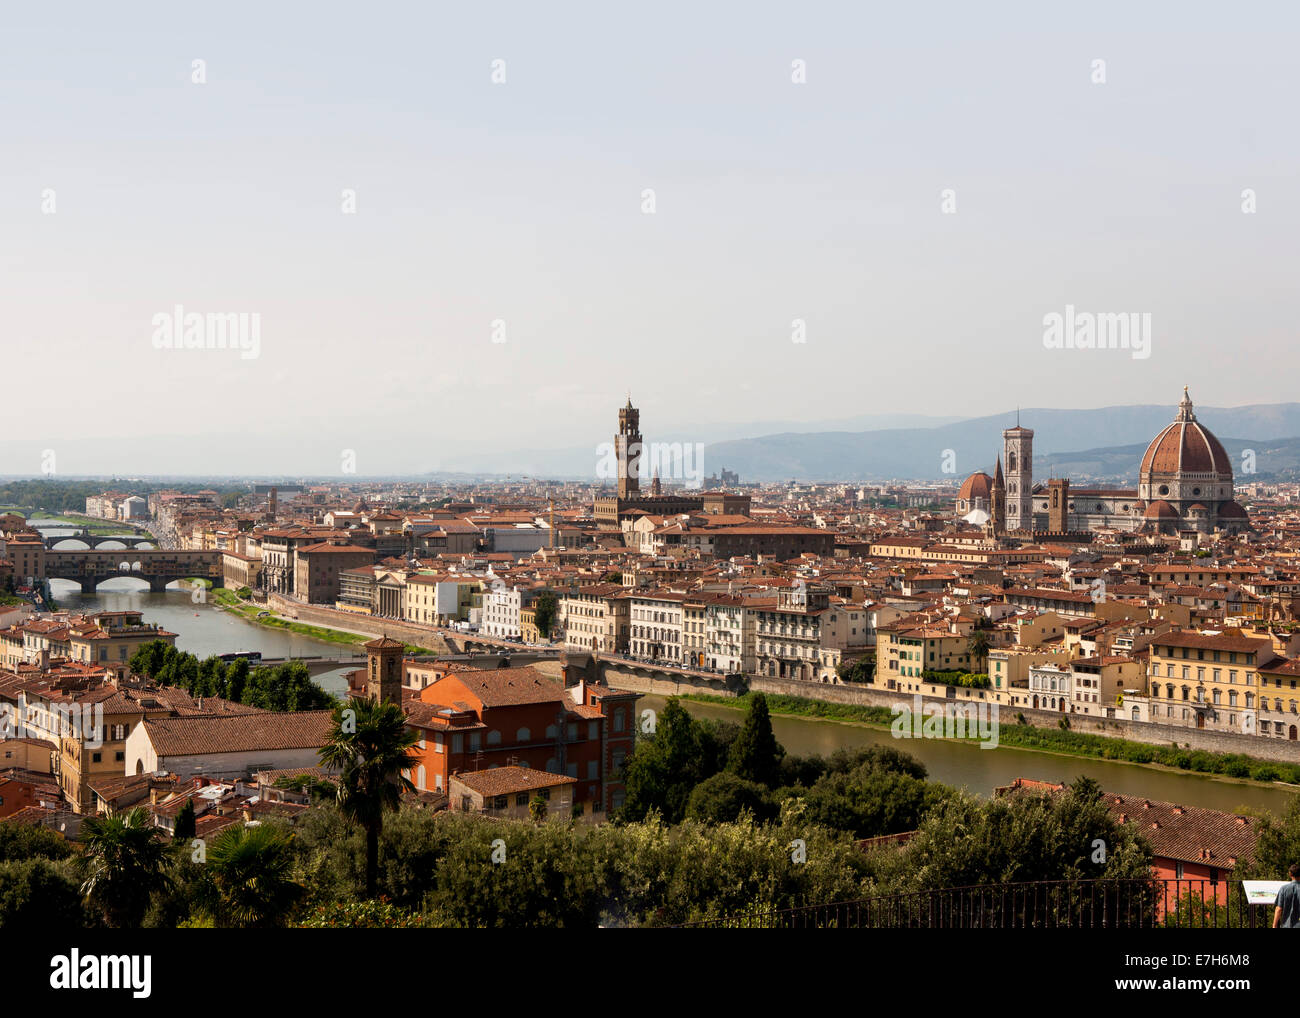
x=1041 y=904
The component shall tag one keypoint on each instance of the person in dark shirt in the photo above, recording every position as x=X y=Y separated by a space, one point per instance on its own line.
x=1287 y=913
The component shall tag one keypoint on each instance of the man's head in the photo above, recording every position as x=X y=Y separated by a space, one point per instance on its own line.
x=1295 y=871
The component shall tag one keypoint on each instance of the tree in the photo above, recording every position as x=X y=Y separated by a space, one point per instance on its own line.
x=21 y=842
x=1277 y=845
x=544 y=609
x=186 y=825
x=237 y=679
x=38 y=896
x=756 y=755
x=978 y=648
x=370 y=745
x=250 y=869
x=123 y=862
x=724 y=797
x=537 y=809
x=1022 y=837
x=665 y=767
x=869 y=802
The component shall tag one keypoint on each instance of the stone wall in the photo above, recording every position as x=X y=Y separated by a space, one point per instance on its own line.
x=866 y=696
x=1115 y=728
x=333 y=618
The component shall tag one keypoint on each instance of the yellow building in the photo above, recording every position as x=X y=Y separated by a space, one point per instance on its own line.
x=1212 y=680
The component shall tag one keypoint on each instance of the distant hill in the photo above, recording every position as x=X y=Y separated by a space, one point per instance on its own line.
x=1106 y=442
x=1273 y=458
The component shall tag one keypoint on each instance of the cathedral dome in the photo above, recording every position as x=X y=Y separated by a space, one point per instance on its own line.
x=1185 y=446
x=977 y=485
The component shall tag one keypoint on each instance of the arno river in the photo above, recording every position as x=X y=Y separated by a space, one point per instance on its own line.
x=202 y=630
x=982 y=770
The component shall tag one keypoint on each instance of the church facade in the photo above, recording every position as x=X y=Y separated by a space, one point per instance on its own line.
x=1184 y=483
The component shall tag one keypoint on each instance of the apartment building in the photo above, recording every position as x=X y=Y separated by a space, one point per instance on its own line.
x=476 y=720
x=729 y=635
x=595 y=618
x=656 y=622
x=1212 y=680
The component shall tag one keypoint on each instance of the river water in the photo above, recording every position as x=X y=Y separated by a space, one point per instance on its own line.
x=202 y=629
x=962 y=764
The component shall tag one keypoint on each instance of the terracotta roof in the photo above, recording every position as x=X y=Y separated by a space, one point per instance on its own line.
x=507 y=780
x=238 y=734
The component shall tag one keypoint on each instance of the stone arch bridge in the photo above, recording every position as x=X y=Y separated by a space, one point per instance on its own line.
x=158 y=566
x=95 y=540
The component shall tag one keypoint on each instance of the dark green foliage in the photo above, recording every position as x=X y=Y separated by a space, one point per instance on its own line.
x=872 y=801
x=124 y=861
x=724 y=797
x=1277 y=846
x=39 y=896
x=185 y=822
x=965 y=842
x=859 y=670
x=283 y=687
x=956 y=677
x=756 y=755
x=19 y=842
x=544 y=608
x=665 y=767
x=251 y=876
x=370 y=746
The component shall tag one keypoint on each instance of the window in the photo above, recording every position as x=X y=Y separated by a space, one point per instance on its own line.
x=523 y=735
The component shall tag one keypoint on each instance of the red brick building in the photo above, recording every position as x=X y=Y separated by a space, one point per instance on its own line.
x=473 y=720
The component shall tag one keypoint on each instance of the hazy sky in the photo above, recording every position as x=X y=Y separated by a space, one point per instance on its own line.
x=522 y=202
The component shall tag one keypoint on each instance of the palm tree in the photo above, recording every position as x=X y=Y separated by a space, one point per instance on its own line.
x=369 y=744
x=250 y=869
x=123 y=863
x=978 y=647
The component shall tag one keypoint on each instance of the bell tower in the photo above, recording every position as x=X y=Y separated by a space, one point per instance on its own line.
x=628 y=444
x=384 y=671
x=997 y=523
x=1018 y=452
x=1058 y=505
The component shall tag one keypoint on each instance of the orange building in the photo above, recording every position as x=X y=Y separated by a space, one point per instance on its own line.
x=473 y=720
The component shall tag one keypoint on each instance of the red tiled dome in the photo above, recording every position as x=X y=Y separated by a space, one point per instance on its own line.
x=977 y=485
x=1185 y=446
x=1159 y=509
x=1231 y=511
